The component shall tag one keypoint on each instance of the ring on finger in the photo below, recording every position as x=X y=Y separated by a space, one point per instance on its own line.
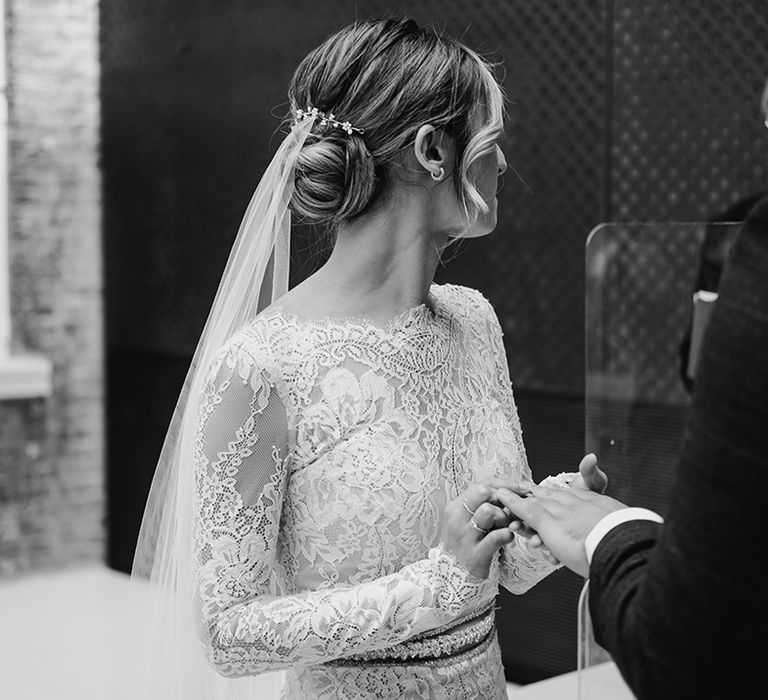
x=477 y=527
x=466 y=507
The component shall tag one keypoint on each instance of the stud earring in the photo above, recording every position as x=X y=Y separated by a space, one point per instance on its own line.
x=438 y=175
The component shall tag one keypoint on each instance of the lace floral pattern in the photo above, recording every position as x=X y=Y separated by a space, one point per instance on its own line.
x=325 y=453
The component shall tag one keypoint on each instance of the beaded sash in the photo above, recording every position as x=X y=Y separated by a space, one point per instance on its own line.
x=438 y=644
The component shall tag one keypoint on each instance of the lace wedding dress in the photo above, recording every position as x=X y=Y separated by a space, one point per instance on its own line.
x=325 y=453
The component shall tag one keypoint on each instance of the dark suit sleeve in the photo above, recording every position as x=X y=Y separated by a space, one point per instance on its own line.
x=682 y=607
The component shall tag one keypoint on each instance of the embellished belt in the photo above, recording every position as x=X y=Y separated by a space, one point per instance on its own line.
x=457 y=638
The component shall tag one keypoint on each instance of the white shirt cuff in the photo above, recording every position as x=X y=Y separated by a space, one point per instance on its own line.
x=613 y=519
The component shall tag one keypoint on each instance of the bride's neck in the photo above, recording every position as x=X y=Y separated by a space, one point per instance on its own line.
x=382 y=263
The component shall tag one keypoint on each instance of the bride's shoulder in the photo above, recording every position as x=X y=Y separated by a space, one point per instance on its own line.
x=258 y=345
x=463 y=302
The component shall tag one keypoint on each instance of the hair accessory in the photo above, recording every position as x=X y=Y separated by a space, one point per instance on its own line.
x=326 y=119
x=438 y=175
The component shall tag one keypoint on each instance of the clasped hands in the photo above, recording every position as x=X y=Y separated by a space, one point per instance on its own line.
x=554 y=519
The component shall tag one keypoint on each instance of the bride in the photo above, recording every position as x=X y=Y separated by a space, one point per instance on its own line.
x=324 y=504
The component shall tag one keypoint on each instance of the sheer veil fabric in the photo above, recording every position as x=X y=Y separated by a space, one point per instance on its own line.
x=172 y=661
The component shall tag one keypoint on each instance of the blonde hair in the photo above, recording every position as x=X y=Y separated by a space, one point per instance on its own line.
x=389 y=77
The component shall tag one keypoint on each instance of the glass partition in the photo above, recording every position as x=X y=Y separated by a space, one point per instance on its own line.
x=645 y=313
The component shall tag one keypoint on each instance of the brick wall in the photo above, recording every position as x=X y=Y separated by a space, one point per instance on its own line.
x=52 y=449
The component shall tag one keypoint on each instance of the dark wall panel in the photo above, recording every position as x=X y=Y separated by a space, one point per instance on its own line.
x=687 y=133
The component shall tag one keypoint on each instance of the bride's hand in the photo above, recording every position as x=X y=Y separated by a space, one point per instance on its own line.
x=475 y=527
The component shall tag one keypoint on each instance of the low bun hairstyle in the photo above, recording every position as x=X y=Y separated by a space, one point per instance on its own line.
x=388 y=78
x=335 y=178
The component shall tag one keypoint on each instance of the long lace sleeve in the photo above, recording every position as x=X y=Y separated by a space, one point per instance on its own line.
x=522 y=567
x=248 y=622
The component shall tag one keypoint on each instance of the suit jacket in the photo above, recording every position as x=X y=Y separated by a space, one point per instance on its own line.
x=682 y=606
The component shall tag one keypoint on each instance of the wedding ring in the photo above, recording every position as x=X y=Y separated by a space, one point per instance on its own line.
x=466 y=507
x=477 y=527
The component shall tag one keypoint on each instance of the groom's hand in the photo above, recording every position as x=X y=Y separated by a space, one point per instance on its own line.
x=562 y=518
x=590 y=477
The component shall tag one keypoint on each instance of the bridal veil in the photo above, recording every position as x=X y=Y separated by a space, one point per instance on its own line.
x=172 y=663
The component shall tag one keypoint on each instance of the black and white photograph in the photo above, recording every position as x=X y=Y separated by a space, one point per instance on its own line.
x=365 y=350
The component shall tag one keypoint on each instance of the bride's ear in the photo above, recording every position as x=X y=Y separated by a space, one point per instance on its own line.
x=433 y=150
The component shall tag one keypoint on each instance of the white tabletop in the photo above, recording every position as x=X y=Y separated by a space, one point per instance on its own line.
x=600 y=682
x=65 y=635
